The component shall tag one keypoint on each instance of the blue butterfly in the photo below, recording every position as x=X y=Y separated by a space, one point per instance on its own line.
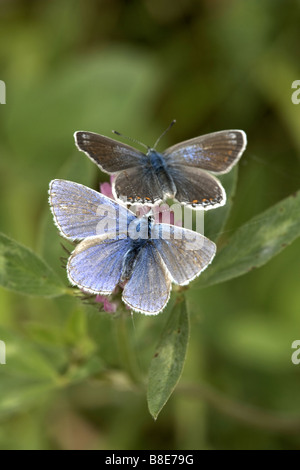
x=182 y=172
x=115 y=246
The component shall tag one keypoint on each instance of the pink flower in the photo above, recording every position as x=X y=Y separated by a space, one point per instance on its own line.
x=108 y=306
x=106 y=188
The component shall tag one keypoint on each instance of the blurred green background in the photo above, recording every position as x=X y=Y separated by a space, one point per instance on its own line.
x=133 y=66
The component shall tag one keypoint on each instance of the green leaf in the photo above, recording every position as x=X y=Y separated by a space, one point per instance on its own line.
x=25 y=359
x=256 y=242
x=23 y=271
x=18 y=394
x=286 y=71
x=215 y=220
x=28 y=375
x=167 y=363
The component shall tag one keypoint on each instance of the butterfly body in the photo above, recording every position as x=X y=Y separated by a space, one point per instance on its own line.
x=144 y=229
x=129 y=261
x=157 y=171
x=184 y=171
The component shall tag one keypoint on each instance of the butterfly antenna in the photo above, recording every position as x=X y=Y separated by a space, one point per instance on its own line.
x=131 y=139
x=165 y=131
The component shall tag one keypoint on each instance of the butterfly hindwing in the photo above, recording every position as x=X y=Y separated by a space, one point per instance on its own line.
x=96 y=264
x=197 y=188
x=138 y=185
x=148 y=289
x=185 y=253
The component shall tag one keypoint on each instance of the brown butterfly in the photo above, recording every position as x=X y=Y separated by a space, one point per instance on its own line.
x=183 y=172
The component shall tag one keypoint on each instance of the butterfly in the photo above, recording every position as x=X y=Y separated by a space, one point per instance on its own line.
x=115 y=246
x=182 y=172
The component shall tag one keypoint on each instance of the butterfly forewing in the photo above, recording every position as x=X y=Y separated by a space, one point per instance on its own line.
x=81 y=212
x=110 y=155
x=217 y=152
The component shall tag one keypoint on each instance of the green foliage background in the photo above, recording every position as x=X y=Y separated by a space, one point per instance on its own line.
x=74 y=377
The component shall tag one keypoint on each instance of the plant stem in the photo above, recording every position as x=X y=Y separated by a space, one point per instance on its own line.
x=248 y=414
x=127 y=355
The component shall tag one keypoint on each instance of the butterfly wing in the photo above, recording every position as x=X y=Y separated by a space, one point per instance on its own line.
x=185 y=253
x=138 y=185
x=197 y=188
x=80 y=212
x=110 y=155
x=148 y=289
x=136 y=181
x=217 y=152
x=96 y=264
